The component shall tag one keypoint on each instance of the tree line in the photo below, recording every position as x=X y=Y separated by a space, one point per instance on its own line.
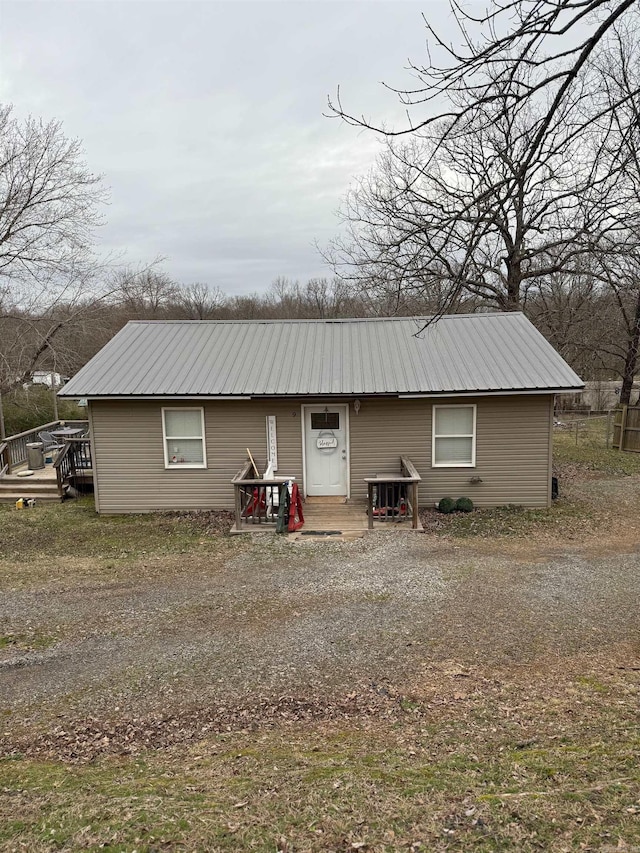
x=582 y=320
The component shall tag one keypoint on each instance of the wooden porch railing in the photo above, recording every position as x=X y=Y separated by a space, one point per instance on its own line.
x=73 y=459
x=4 y=458
x=257 y=501
x=17 y=444
x=394 y=498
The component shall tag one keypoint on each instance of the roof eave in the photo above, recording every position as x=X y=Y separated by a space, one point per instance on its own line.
x=413 y=395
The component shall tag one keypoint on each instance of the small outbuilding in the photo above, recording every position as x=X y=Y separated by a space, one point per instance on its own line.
x=174 y=405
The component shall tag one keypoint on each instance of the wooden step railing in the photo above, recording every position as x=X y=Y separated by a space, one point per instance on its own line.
x=4 y=458
x=73 y=459
x=257 y=500
x=394 y=498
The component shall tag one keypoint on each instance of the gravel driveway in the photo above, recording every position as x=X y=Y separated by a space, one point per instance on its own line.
x=269 y=617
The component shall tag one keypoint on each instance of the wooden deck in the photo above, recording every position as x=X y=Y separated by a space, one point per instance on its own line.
x=330 y=517
x=41 y=485
x=333 y=518
x=392 y=503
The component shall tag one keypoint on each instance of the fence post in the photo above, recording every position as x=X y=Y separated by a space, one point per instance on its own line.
x=623 y=426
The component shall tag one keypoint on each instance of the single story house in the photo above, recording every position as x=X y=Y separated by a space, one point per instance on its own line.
x=174 y=405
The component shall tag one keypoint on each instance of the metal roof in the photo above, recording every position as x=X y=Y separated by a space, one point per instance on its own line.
x=191 y=358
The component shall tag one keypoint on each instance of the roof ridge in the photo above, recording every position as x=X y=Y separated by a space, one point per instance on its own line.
x=327 y=320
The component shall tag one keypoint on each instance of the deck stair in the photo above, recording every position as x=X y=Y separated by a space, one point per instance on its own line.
x=39 y=488
x=333 y=518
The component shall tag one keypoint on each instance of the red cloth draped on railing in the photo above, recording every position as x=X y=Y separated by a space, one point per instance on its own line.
x=296 y=517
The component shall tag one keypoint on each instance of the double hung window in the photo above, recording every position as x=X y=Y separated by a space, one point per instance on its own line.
x=183 y=432
x=454 y=437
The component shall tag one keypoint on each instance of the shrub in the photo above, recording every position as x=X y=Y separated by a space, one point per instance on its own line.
x=464 y=504
x=446 y=505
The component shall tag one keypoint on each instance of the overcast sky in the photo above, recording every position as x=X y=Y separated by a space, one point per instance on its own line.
x=206 y=118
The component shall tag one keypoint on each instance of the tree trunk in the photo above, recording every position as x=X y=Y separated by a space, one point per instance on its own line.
x=631 y=361
x=514 y=284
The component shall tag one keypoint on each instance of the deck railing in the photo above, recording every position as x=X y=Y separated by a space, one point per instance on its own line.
x=4 y=458
x=75 y=458
x=257 y=501
x=394 y=498
x=17 y=444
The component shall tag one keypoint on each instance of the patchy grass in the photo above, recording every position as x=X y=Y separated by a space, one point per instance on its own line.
x=69 y=542
x=34 y=641
x=508 y=520
x=556 y=769
x=74 y=528
x=579 y=510
x=591 y=452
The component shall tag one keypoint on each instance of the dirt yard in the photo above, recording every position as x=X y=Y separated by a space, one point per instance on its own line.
x=508 y=630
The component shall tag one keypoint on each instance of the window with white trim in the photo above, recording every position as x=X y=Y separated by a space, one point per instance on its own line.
x=454 y=437
x=183 y=433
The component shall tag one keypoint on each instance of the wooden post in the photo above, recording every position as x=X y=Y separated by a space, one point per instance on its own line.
x=615 y=446
x=623 y=426
x=238 y=503
x=55 y=397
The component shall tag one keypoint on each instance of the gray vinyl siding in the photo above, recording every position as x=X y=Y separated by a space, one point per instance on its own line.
x=129 y=459
x=513 y=450
x=513 y=444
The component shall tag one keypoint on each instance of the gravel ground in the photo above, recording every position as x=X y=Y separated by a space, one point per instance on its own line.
x=306 y=619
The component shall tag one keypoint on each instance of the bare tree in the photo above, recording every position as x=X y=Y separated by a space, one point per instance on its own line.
x=49 y=208
x=318 y=298
x=144 y=294
x=32 y=327
x=471 y=216
x=523 y=66
x=49 y=201
x=198 y=301
x=618 y=251
x=497 y=51
x=594 y=318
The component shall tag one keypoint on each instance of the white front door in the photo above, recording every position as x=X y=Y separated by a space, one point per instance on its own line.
x=326 y=437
